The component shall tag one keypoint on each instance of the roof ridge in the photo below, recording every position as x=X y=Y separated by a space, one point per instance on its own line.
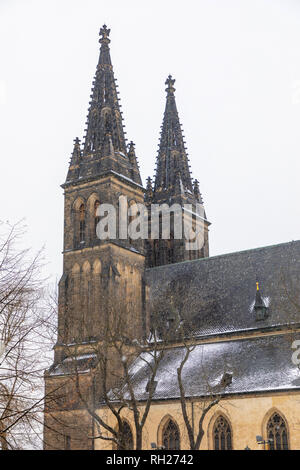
x=249 y=250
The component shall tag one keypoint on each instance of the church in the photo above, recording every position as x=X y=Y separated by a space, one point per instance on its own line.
x=240 y=376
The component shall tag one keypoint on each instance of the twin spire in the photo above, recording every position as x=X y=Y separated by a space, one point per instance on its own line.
x=104 y=120
x=104 y=147
x=172 y=166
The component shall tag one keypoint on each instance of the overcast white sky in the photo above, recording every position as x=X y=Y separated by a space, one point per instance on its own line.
x=237 y=70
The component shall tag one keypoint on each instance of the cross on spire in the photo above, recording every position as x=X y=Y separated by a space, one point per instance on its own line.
x=104 y=32
x=104 y=146
x=170 y=82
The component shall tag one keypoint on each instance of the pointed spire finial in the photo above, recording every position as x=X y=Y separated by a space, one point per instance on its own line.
x=104 y=32
x=131 y=146
x=149 y=191
x=259 y=302
x=170 y=82
x=260 y=306
x=74 y=161
x=135 y=174
x=197 y=191
x=76 y=150
x=131 y=152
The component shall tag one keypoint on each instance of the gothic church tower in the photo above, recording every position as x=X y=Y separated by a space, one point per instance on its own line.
x=100 y=171
x=105 y=278
x=173 y=185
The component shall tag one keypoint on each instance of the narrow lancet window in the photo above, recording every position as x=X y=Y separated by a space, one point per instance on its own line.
x=81 y=223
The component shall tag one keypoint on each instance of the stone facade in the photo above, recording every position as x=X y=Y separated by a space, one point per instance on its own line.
x=248 y=417
x=126 y=280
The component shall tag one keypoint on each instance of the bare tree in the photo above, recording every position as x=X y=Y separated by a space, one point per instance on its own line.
x=118 y=356
x=213 y=396
x=113 y=376
x=177 y=320
x=22 y=320
x=104 y=372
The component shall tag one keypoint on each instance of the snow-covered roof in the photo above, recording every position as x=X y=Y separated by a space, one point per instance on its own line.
x=82 y=363
x=259 y=364
x=217 y=293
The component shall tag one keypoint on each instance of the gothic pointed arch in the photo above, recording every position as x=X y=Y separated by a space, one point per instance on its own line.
x=86 y=267
x=75 y=268
x=97 y=266
x=127 y=436
x=169 y=434
x=92 y=204
x=77 y=203
x=276 y=430
x=78 y=217
x=222 y=433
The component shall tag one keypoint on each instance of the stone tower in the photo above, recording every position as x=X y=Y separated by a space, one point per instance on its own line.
x=99 y=173
x=98 y=274
x=173 y=185
x=104 y=277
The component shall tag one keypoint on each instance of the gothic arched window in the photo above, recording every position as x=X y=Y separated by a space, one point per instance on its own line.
x=171 y=436
x=222 y=434
x=127 y=437
x=277 y=433
x=96 y=217
x=81 y=223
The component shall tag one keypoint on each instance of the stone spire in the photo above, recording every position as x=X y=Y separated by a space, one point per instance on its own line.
x=149 y=191
x=173 y=185
x=104 y=115
x=134 y=163
x=197 y=193
x=104 y=147
x=172 y=165
x=75 y=161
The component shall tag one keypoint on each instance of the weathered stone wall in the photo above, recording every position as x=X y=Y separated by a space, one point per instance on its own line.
x=101 y=280
x=247 y=415
x=97 y=274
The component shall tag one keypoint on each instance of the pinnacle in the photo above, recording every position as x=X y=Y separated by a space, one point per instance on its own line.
x=172 y=156
x=105 y=142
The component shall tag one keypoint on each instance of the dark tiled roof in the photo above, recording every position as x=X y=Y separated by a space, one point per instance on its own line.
x=219 y=292
x=257 y=365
